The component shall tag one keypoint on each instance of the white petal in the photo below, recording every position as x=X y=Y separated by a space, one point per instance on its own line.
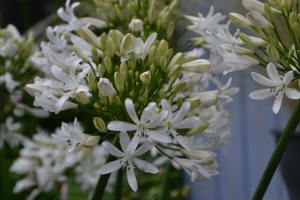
x=131 y=177
x=182 y=141
x=71 y=155
x=60 y=139
x=260 y=94
x=111 y=149
x=124 y=140
x=273 y=73
x=148 y=42
x=157 y=119
x=145 y=166
x=189 y=122
x=144 y=148
x=158 y=135
x=202 y=170
x=131 y=111
x=263 y=80
x=111 y=167
x=288 y=77
x=166 y=106
x=292 y=93
x=277 y=103
x=182 y=112
x=121 y=126
x=59 y=104
x=133 y=144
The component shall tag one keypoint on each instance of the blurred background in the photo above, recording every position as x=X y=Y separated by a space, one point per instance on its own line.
x=253 y=124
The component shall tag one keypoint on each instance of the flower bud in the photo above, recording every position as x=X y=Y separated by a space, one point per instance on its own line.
x=179 y=102
x=79 y=53
x=91 y=141
x=100 y=124
x=136 y=25
x=190 y=57
x=276 y=4
x=126 y=44
x=273 y=53
x=92 y=82
x=145 y=77
x=163 y=63
x=296 y=30
x=145 y=97
x=131 y=65
x=102 y=15
x=102 y=98
x=111 y=12
x=288 y=5
x=207 y=99
x=292 y=18
x=101 y=70
x=247 y=40
x=198 y=41
x=107 y=64
x=194 y=101
x=165 y=19
x=90 y=37
x=119 y=81
x=239 y=20
x=259 y=20
x=258 y=32
x=152 y=69
x=111 y=49
x=169 y=54
x=152 y=55
x=162 y=94
x=119 y=13
x=115 y=38
x=269 y=12
x=272 y=41
x=106 y=88
x=253 y=5
x=103 y=41
x=170 y=30
x=133 y=58
x=151 y=15
x=82 y=97
x=137 y=76
x=238 y=50
x=131 y=74
x=124 y=70
x=196 y=66
x=178 y=59
x=174 y=71
x=198 y=155
x=163 y=46
x=198 y=129
x=95 y=55
x=117 y=100
x=179 y=87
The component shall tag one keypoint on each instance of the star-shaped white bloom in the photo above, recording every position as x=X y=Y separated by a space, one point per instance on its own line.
x=235 y=62
x=175 y=121
x=142 y=126
x=127 y=158
x=136 y=25
x=139 y=47
x=277 y=87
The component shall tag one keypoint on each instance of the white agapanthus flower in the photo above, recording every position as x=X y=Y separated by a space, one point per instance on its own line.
x=127 y=158
x=10 y=83
x=56 y=37
x=201 y=24
x=136 y=25
x=139 y=47
x=142 y=126
x=7 y=48
x=235 y=62
x=8 y=133
x=277 y=87
x=175 y=121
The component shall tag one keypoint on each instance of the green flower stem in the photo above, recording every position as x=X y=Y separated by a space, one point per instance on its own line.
x=103 y=179
x=164 y=181
x=118 y=191
x=278 y=153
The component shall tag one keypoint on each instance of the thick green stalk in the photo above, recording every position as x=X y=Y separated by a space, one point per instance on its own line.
x=118 y=191
x=278 y=153
x=103 y=179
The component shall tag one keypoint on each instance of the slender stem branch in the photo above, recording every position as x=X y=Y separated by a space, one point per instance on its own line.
x=118 y=191
x=278 y=153
x=103 y=179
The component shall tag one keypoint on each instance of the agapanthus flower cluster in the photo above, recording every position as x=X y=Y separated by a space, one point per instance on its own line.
x=16 y=69
x=45 y=168
x=140 y=90
x=268 y=48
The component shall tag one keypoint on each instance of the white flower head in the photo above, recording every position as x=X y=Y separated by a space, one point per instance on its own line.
x=136 y=25
x=127 y=158
x=139 y=47
x=277 y=87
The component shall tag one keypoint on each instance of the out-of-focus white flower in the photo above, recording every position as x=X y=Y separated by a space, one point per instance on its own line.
x=235 y=62
x=139 y=47
x=127 y=158
x=201 y=24
x=7 y=48
x=277 y=86
x=8 y=133
x=136 y=25
x=10 y=83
